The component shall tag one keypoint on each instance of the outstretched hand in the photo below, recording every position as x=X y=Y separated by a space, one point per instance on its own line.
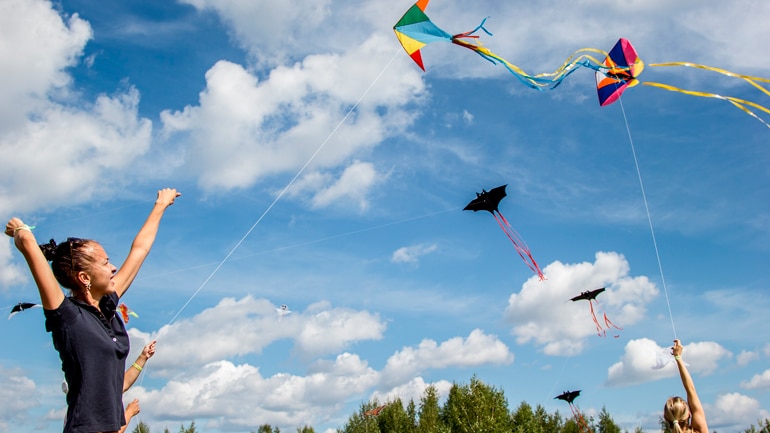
x=149 y=349
x=677 y=348
x=166 y=196
x=13 y=226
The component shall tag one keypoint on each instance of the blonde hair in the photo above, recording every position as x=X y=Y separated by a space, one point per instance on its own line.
x=676 y=413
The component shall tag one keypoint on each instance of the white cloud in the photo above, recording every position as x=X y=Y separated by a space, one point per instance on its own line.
x=10 y=273
x=467 y=117
x=61 y=146
x=331 y=330
x=352 y=186
x=221 y=390
x=759 y=381
x=36 y=48
x=238 y=327
x=746 y=357
x=641 y=355
x=412 y=391
x=18 y=394
x=478 y=349
x=733 y=411
x=244 y=129
x=412 y=253
x=542 y=311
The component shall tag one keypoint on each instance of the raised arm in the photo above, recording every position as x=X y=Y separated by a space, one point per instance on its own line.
x=696 y=408
x=143 y=241
x=51 y=294
x=133 y=371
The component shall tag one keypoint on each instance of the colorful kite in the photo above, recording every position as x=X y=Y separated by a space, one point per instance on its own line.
x=415 y=30
x=619 y=70
x=569 y=397
x=125 y=312
x=590 y=296
x=21 y=306
x=489 y=201
x=622 y=66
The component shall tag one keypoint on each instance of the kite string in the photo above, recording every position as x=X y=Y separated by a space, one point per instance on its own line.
x=286 y=188
x=649 y=217
x=278 y=197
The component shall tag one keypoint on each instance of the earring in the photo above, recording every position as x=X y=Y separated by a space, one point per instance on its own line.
x=88 y=286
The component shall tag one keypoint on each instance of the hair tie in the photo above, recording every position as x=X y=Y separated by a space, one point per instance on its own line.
x=24 y=227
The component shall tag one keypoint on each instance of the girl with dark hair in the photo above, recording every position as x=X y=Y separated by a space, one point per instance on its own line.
x=88 y=334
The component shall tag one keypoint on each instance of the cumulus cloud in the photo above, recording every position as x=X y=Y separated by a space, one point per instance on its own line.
x=245 y=128
x=759 y=381
x=352 y=186
x=746 y=357
x=412 y=254
x=221 y=390
x=37 y=47
x=412 y=391
x=478 y=349
x=640 y=356
x=733 y=411
x=10 y=273
x=61 y=146
x=540 y=313
x=13 y=383
x=246 y=326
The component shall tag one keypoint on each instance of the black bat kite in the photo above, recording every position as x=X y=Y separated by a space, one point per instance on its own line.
x=489 y=201
x=21 y=306
x=590 y=296
x=569 y=397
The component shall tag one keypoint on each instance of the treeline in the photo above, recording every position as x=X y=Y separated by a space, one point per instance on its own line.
x=469 y=408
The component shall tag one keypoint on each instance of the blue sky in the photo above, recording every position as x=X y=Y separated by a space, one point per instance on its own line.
x=321 y=169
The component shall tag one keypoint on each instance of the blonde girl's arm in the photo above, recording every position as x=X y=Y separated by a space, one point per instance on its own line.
x=699 y=424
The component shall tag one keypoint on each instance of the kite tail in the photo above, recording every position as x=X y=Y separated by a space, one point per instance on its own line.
x=599 y=330
x=579 y=419
x=609 y=324
x=518 y=242
x=748 y=78
x=739 y=103
x=470 y=34
x=544 y=81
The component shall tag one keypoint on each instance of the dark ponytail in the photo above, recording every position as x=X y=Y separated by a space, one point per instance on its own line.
x=67 y=259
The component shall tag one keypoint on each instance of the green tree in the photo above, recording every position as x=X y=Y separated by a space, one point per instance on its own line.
x=359 y=422
x=476 y=408
x=606 y=423
x=141 y=427
x=190 y=429
x=305 y=429
x=411 y=414
x=763 y=427
x=267 y=428
x=525 y=420
x=393 y=418
x=429 y=414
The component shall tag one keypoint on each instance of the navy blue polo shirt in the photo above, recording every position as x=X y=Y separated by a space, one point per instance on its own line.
x=93 y=347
